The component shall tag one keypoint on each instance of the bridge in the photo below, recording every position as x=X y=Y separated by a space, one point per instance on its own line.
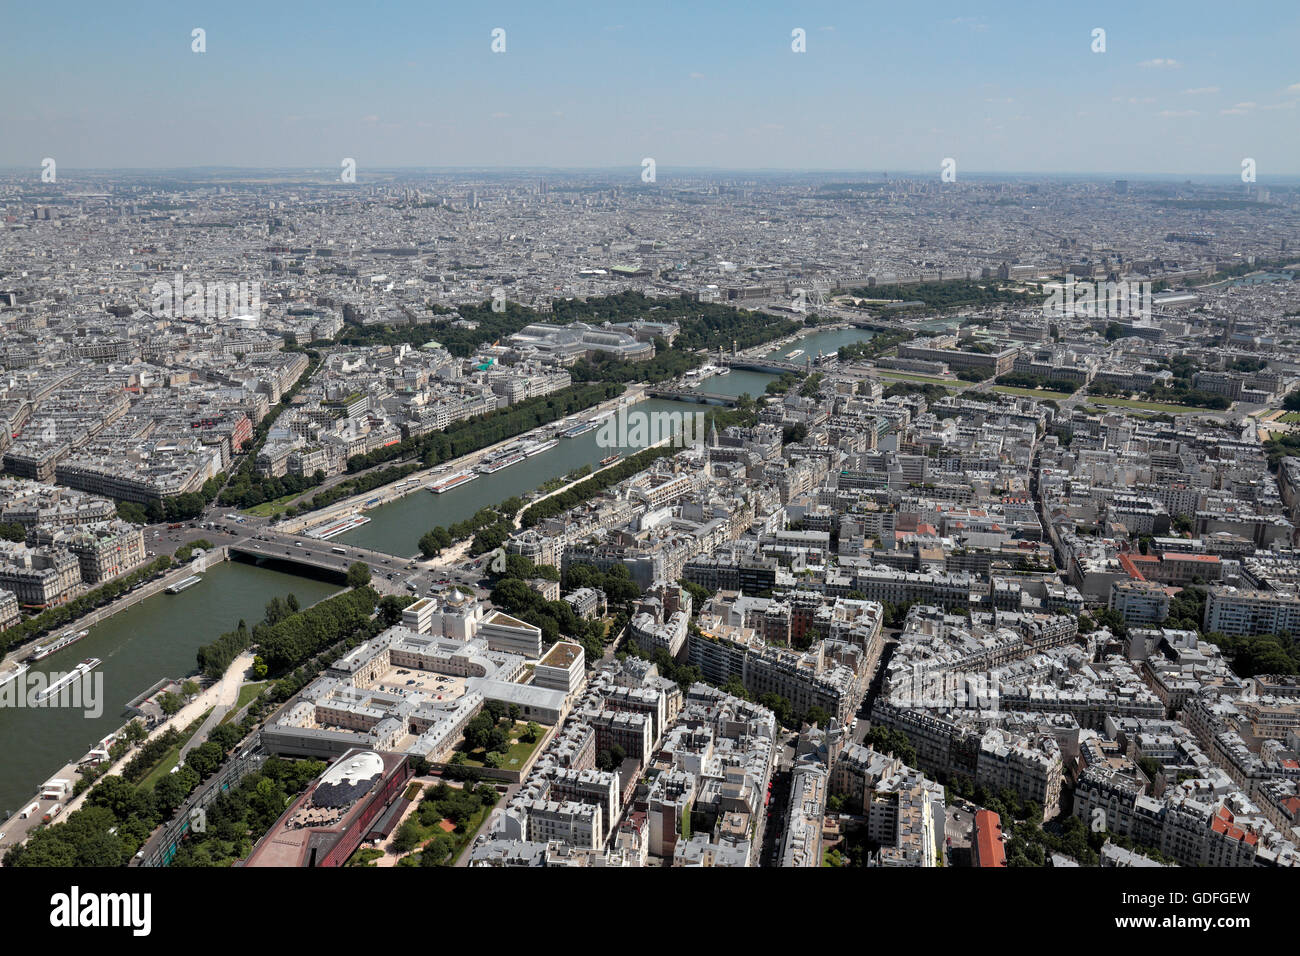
x=770 y=366
x=691 y=395
x=320 y=556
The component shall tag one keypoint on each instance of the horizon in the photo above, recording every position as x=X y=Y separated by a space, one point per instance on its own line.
x=634 y=171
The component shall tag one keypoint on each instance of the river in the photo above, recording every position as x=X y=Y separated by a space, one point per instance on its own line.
x=154 y=639
x=396 y=527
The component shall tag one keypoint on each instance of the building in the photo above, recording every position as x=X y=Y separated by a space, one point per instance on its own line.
x=1230 y=610
x=986 y=847
x=562 y=668
x=511 y=635
x=326 y=824
x=1140 y=602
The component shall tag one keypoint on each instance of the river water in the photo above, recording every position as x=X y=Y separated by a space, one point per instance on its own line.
x=154 y=639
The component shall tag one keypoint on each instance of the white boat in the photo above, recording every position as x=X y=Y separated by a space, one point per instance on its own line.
x=339 y=527
x=78 y=672
x=180 y=586
x=452 y=481
x=795 y=354
x=494 y=465
x=531 y=450
x=42 y=651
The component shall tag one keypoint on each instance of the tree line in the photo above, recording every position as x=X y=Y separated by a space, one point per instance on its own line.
x=287 y=641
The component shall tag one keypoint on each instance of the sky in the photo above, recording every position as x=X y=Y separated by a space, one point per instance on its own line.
x=1182 y=88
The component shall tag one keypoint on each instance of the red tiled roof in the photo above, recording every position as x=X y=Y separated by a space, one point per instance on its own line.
x=988 y=839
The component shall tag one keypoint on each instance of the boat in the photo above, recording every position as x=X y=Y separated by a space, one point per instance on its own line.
x=180 y=586
x=15 y=672
x=452 y=481
x=610 y=459
x=42 y=651
x=723 y=370
x=580 y=429
x=531 y=450
x=67 y=680
x=493 y=465
x=338 y=527
x=795 y=354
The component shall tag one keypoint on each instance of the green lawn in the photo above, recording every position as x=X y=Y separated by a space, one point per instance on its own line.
x=1147 y=406
x=1290 y=418
x=246 y=695
x=172 y=756
x=516 y=755
x=1031 y=392
x=269 y=509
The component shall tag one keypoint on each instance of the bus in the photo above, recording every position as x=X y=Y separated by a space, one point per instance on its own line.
x=339 y=550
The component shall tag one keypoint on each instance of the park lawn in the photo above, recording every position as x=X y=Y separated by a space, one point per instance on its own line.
x=1031 y=392
x=462 y=840
x=170 y=758
x=517 y=753
x=246 y=695
x=1149 y=406
x=268 y=509
x=1290 y=418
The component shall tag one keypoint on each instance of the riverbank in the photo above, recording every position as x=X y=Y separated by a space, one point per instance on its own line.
x=153 y=638
x=414 y=482
x=218 y=697
x=395 y=491
x=147 y=590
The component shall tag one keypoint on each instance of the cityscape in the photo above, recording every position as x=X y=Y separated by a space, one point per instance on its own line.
x=677 y=513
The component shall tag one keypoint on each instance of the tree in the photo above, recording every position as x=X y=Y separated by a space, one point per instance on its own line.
x=432 y=542
x=407 y=836
x=895 y=743
x=532 y=730
x=818 y=716
x=391 y=607
x=358 y=574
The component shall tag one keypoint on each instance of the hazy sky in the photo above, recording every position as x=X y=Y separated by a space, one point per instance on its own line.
x=1184 y=87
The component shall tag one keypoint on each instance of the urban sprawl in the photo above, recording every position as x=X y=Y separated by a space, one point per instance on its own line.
x=1009 y=577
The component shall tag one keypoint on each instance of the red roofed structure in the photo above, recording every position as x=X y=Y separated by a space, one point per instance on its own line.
x=987 y=848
